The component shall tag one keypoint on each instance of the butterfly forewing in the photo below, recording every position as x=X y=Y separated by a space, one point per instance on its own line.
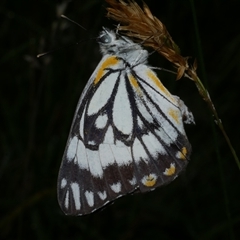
x=127 y=133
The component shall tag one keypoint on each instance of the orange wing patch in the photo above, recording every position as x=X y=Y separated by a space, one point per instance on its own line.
x=174 y=114
x=134 y=83
x=182 y=154
x=107 y=64
x=158 y=83
x=149 y=180
x=170 y=171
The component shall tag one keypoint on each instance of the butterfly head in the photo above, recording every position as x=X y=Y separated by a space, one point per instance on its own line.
x=114 y=44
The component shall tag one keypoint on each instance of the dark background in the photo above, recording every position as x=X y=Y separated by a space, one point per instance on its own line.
x=38 y=98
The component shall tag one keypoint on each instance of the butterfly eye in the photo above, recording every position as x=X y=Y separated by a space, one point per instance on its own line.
x=104 y=38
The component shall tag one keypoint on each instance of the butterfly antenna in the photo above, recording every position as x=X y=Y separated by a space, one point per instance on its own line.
x=63 y=16
x=71 y=45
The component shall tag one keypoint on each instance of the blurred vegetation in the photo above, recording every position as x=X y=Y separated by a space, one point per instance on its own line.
x=38 y=98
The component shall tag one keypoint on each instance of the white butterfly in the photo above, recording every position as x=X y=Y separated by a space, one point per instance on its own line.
x=127 y=133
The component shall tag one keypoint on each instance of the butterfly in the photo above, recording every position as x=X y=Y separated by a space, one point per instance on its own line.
x=127 y=134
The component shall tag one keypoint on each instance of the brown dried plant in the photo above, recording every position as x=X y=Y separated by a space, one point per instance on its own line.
x=141 y=25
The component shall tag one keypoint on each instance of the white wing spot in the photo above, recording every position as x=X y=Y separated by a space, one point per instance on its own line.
x=82 y=156
x=72 y=148
x=102 y=195
x=122 y=113
x=101 y=121
x=116 y=187
x=66 y=201
x=76 y=195
x=121 y=154
x=91 y=143
x=63 y=183
x=106 y=155
x=139 y=152
x=133 y=181
x=101 y=96
x=89 y=198
x=109 y=137
x=94 y=163
x=81 y=125
x=153 y=145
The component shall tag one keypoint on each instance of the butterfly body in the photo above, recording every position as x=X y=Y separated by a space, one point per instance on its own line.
x=127 y=133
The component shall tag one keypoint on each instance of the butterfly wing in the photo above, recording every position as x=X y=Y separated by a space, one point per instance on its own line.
x=160 y=148
x=127 y=134
x=88 y=176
